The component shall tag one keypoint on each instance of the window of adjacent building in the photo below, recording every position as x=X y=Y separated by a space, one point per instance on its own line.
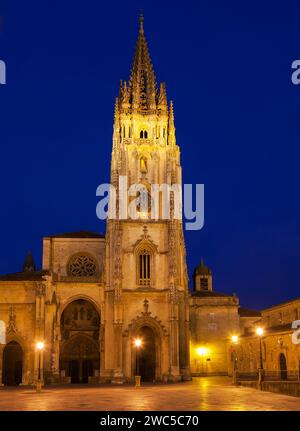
x=144 y=268
x=143 y=134
x=212 y=325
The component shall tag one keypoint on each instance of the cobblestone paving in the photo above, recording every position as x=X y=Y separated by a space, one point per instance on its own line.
x=212 y=393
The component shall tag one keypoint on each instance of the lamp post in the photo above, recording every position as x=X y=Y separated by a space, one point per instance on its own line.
x=202 y=351
x=260 y=332
x=40 y=347
x=138 y=344
x=234 y=341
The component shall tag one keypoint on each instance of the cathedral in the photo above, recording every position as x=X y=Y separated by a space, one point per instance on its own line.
x=96 y=295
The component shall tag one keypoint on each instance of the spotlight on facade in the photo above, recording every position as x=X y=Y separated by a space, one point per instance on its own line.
x=40 y=345
x=235 y=339
x=138 y=342
x=260 y=331
x=201 y=351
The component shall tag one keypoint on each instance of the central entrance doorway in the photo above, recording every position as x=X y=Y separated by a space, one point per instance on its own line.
x=147 y=354
x=80 y=355
x=12 y=364
x=81 y=359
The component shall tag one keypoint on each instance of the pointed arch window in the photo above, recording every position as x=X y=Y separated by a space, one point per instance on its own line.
x=144 y=267
x=143 y=134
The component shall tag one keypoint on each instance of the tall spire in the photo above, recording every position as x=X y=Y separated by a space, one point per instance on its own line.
x=142 y=79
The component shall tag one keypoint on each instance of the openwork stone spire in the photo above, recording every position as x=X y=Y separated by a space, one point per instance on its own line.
x=142 y=80
x=140 y=93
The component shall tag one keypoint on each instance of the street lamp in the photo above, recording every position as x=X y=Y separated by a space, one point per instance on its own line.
x=202 y=351
x=138 y=344
x=260 y=332
x=40 y=347
x=234 y=340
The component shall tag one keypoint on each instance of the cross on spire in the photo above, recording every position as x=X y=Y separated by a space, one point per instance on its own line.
x=141 y=21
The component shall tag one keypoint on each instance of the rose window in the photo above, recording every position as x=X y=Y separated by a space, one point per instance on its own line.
x=82 y=265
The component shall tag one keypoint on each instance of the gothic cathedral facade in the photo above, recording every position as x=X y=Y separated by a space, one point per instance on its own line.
x=96 y=295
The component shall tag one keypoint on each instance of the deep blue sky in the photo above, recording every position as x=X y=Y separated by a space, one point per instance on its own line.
x=227 y=66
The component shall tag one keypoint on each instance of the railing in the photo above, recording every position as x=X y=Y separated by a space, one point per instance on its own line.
x=269 y=376
x=247 y=376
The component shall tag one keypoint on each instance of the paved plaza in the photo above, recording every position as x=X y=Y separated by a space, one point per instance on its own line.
x=203 y=393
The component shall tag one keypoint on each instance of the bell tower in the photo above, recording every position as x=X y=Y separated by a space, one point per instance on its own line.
x=145 y=257
x=144 y=142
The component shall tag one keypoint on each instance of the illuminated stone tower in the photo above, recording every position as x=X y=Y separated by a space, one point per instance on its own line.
x=146 y=276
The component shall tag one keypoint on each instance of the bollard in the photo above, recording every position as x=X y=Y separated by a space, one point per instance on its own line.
x=38 y=386
x=137 y=381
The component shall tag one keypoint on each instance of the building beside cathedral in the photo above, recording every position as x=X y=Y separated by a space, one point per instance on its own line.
x=96 y=293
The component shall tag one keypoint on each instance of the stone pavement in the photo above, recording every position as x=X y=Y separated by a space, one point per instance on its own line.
x=203 y=393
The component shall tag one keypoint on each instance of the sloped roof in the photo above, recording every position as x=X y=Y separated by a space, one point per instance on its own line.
x=79 y=234
x=209 y=293
x=247 y=312
x=24 y=276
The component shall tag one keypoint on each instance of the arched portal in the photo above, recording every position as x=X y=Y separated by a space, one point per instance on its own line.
x=282 y=366
x=80 y=356
x=12 y=364
x=147 y=354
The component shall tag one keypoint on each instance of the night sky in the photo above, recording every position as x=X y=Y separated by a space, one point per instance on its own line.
x=227 y=66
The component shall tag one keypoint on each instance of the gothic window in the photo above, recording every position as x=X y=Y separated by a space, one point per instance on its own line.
x=144 y=267
x=82 y=265
x=143 y=134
